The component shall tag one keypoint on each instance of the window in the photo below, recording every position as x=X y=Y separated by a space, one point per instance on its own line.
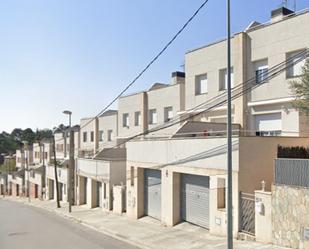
x=101 y=136
x=132 y=176
x=45 y=155
x=223 y=79
x=297 y=63
x=168 y=113
x=109 y=135
x=201 y=84
x=221 y=193
x=84 y=137
x=261 y=71
x=137 y=118
x=92 y=136
x=125 y=120
x=153 y=118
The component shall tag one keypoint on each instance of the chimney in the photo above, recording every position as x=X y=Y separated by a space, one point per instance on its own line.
x=280 y=13
x=178 y=78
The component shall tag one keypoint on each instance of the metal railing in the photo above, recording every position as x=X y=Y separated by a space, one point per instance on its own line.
x=292 y=172
x=247 y=213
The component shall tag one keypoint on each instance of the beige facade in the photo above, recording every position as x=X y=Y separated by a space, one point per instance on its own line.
x=267 y=106
x=96 y=178
x=98 y=133
x=146 y=110
x=20 y=159
x=252 y=163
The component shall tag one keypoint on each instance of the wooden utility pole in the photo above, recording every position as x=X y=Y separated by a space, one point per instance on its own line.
x=71 y=171
x=56 y=173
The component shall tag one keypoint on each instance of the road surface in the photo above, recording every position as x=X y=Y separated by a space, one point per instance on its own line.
x=28 y=227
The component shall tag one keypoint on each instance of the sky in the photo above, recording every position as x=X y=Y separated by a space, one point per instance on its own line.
x=78 y=55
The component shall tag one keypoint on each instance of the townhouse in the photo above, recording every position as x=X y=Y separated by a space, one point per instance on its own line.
x=266 y=107
x=183 y=177
x=20 y=158
x=42 y=153
x=100 y=165
x=62 y=151
x=143 y=111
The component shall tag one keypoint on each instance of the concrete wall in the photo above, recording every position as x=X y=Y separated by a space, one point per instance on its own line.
x=37 y=153
x=88 y=125
x=273 y=42
x=256 y=160
x=20 y=159
x=263 y=216
x=106 y=123
x=95 y=169
x=59 y=140
x=210 y=60
x=207 y=153
x=131 y=104
x=290 y=208
x=170 y=96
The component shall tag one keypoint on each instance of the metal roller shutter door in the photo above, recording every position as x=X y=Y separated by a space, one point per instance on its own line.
x=153 y=193
x=195 y=199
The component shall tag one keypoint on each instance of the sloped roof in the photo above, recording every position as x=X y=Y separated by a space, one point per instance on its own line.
x=112 y=154
x=156 y=86
x=200 y=128
x=109 y=113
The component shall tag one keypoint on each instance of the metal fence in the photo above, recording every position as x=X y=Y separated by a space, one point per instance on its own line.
x=247 y=213
x=292 y=172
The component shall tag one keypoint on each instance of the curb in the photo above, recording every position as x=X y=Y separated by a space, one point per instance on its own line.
x=85 y=224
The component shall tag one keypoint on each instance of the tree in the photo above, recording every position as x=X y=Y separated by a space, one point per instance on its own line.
x=300 y=88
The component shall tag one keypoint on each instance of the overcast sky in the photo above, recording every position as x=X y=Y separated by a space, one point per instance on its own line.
x=77 y=55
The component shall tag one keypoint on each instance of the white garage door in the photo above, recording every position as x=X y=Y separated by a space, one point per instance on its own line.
x=268 y=122
x=195 y=199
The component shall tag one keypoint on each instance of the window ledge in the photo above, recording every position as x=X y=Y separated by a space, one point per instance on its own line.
x=221 y=209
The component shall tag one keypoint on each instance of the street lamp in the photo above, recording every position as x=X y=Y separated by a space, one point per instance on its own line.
x=71 y=161
x=66 y=112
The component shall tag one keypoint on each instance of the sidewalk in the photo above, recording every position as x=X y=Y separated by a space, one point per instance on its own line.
x=145 y=233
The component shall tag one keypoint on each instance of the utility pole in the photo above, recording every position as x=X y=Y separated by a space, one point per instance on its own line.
x=56 y=173
x=26 y=153
x=44 y=172
x=229 y=134
x=71 y=171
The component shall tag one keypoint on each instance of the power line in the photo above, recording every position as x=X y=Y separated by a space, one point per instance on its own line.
x=273 y=72
x=157 y=56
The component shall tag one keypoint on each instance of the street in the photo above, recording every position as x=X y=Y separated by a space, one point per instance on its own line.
x=26 y=227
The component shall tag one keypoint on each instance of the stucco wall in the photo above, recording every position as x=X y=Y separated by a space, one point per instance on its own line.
x=257 y=157
x=273 y=42
x=131 y=104
x=169 y=96
x=201 y=153
x=107 y=123
x=290 y=208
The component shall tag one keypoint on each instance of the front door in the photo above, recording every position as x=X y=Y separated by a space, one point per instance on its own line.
x=153 y=193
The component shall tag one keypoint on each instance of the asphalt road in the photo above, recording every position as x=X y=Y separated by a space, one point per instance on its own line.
x=26 y=227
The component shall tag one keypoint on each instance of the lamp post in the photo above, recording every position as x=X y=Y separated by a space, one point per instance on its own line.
x=66 y=112
x=71 y=163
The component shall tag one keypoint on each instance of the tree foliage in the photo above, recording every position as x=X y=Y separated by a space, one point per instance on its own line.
x=300 y=88
x=10 y=142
